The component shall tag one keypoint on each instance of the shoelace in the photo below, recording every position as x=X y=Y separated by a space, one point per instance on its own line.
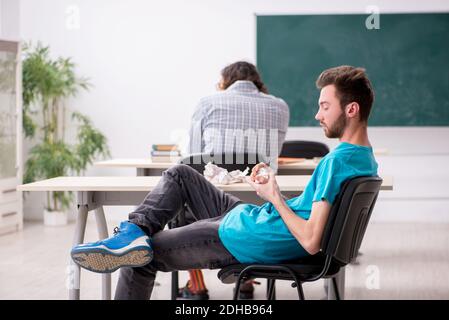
x=116 y=230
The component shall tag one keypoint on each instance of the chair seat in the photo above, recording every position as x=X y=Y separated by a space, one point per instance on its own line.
x=304 y=268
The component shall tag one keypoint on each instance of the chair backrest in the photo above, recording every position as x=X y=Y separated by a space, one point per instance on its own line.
x=228 y=161
x=303 y=149
x=349 y=218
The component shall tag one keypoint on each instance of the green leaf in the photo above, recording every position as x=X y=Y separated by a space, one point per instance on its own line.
x=47 y=83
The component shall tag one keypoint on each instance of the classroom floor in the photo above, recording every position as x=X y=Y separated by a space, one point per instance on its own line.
x=398 y=261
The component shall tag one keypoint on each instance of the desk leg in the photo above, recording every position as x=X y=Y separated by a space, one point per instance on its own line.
x=80 y=228
x=103 y=233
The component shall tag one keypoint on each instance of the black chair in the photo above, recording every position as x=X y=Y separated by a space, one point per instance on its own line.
x=341 y=241
x=228 y=161
x=303 y=149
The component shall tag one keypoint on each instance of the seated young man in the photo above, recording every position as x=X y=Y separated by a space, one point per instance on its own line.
x=229 y=231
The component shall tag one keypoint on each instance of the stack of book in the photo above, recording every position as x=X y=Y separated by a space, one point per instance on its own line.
x=165 y=153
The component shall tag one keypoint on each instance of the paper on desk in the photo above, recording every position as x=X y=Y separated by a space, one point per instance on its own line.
x=218 y=175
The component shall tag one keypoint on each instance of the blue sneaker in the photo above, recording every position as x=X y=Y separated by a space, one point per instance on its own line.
x=128 y=247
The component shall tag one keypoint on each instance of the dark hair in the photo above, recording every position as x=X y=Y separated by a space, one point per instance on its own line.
x=352 y=85
x=242 y=70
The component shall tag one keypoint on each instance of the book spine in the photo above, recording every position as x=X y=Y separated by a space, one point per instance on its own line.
x=165 y=153
x=164 y=147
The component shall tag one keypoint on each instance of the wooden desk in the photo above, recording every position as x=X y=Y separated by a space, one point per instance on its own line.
x=95 y=192
x=145 y=167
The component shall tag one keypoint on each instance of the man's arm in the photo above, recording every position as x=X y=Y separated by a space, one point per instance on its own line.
x=307 y=232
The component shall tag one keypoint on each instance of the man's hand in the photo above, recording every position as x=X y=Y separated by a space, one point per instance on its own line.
x=266 y=186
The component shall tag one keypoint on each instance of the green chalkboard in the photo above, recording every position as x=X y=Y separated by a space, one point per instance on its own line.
x=407 y=60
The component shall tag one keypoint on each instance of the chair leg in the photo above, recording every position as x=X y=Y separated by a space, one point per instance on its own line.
x=270 y=282
x=271 y=289
x=237 y=287
x=300 y=291
x=335 y=288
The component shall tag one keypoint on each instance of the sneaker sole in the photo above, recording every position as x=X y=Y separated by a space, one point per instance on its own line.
x=103 y=261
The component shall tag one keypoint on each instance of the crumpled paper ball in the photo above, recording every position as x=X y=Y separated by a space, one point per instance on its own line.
x=217 y=175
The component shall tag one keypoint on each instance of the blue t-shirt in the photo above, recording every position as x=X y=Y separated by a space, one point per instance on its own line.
x=257 y=234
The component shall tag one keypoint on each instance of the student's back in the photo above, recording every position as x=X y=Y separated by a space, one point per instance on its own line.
x=241 y=118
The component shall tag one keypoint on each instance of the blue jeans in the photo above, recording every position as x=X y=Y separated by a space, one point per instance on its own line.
x=194 y=246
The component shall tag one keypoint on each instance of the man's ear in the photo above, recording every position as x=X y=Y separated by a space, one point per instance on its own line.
x=352 y=110
x=220 y=85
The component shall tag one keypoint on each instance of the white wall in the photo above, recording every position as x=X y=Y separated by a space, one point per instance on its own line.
x=150 y=62
x=10 y=19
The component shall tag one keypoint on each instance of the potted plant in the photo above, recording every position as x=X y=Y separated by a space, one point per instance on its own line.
x=47 y=83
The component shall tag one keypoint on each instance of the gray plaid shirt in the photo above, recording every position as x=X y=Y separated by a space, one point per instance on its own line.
x=239 y=119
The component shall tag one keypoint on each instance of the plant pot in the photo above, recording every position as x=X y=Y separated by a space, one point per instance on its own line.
x=55 y=218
